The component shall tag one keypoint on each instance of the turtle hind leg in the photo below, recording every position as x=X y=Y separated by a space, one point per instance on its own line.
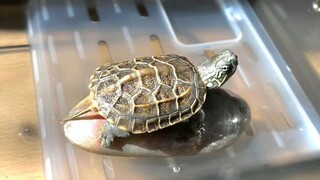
x=83 y=107
x=109 y=133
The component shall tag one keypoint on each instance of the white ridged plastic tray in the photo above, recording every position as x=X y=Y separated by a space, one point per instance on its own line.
x=70 y=38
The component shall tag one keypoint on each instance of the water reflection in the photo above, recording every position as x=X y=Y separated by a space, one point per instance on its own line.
x=316 y=5
x=226 y=117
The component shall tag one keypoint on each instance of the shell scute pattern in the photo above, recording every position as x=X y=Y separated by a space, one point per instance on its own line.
x=169 y=57
x=149 y=93
x=141 y=66
x=185 y=114
x=202 y=94
x=104 y=74
x=143 y=97
x=149 y=81
x=126 y=65
x=186 y=100
x=183 y=71
x=112 y=116
x=123 y=104
x=150 y=110
x=138 y=128
x=152 y=124
x=166 y=77
x=182 y=87
x=113 y=70
x=143 y=60
x=164 y=92
x=130 y=87
x=174 y=118
x=166 y=72
x=163 y=122
x=107 y=92
x=123 y=123
x=96 y=76
x=123 y=73
x=167 y=107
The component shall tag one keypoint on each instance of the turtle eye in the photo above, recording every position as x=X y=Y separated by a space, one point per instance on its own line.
x=224 y=68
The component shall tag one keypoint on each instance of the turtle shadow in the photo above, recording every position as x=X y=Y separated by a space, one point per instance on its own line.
x=226 y=118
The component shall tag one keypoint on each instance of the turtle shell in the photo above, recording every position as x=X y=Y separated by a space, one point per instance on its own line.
x=148 y=93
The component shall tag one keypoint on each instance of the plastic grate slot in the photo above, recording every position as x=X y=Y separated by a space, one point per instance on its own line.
x=35 y=65
x=275 y=135
x=244 y=76
x=116 y=6
x=44 y=10
x=280 y=122
x=92 y=11
x=250 y=54
x=70 y=10
x=108 y=168
x=128 y=38
x=156 y=45
x=79 y=45
x=52 y=50
x=209 y=15
x=42 y=115
x=48 y=169
x=142 y=8
x=104 y=52
x=72 y=161
x=275 y=95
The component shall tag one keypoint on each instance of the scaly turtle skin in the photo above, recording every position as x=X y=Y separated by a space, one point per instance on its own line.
x=151 y=93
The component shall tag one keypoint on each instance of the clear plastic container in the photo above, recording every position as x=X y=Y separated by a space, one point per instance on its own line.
x=69 y=39
x=294 y=29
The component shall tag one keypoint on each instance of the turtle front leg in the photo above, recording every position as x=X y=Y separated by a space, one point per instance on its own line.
x=198 y=122
x=109 y=133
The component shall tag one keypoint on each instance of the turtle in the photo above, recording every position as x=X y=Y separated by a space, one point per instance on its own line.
x=146 y=94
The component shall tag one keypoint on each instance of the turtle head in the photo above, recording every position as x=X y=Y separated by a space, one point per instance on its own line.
x=218 y=69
